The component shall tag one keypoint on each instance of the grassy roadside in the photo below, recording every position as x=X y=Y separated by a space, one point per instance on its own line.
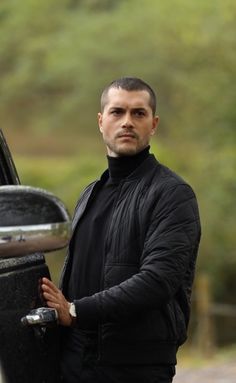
x=189 y=357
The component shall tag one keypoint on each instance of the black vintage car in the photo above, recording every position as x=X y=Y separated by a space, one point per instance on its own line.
x=32 y=221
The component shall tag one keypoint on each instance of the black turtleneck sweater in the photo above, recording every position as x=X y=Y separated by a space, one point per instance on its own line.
x=90 y=235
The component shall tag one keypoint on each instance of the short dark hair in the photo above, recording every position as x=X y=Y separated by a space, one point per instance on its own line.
x=130 y=84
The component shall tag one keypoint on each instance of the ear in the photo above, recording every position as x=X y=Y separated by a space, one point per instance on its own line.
x=100 y=121
x=154 y=124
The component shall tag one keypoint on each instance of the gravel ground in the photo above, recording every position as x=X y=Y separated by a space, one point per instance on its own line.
x=215 y=373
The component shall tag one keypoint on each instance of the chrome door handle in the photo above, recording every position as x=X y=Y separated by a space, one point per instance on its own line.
x=42 y=316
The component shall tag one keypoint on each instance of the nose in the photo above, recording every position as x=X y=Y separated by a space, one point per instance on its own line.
x=127 y=121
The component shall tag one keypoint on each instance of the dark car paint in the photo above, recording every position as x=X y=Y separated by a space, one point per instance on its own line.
x=27 y=354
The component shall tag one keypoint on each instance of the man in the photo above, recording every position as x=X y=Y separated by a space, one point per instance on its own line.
x=127 y=279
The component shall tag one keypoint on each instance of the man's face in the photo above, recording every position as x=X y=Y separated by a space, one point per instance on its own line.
x=127 y=122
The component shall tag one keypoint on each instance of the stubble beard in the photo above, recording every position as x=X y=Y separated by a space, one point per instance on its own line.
x=121 y=150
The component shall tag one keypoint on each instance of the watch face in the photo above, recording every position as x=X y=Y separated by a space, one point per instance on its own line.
x=72 y=310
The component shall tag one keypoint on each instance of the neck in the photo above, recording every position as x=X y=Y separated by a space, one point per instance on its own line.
x=121 y=167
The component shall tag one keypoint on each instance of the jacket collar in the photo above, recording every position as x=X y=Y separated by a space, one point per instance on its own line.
x=149 y=163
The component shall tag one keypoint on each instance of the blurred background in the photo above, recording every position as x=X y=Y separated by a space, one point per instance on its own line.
x=55 y=58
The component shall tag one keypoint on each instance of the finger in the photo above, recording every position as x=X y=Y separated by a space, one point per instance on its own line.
x=54 y=305
x=48 y=293
x=51 y=297
x=50 y=289
x=50 y=284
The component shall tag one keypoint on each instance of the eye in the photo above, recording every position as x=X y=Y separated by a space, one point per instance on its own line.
x=139 y=113
x=116 y=112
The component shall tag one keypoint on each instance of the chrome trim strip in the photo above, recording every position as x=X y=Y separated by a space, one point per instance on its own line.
x=22 y=240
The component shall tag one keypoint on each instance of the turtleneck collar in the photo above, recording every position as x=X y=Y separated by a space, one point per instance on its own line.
x=121 y=167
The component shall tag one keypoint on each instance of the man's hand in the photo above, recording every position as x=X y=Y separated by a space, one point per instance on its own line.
x=56 y=300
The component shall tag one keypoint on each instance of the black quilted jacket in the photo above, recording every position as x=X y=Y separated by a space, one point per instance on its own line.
x=142 y=311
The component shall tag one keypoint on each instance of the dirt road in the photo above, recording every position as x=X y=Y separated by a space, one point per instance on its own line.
x=215 y=373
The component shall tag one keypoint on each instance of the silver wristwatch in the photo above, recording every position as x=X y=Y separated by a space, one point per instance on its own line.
x=72 y=310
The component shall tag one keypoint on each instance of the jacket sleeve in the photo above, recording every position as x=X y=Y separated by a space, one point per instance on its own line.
x=169 y=253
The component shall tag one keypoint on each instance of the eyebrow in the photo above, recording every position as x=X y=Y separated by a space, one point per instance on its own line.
x=116 y=108
x=138 y=108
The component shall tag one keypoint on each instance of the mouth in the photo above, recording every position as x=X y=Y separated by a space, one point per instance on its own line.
x=127 y=135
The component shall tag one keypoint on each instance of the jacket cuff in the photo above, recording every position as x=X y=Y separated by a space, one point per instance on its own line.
x=87 y=312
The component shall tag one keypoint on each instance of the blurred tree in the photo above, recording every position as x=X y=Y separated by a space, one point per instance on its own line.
x=55 y=58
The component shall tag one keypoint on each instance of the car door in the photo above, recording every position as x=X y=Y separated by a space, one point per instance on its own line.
x=28 y=353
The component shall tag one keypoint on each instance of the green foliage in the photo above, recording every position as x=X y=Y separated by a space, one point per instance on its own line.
x=57 y=55
x=65 y=177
